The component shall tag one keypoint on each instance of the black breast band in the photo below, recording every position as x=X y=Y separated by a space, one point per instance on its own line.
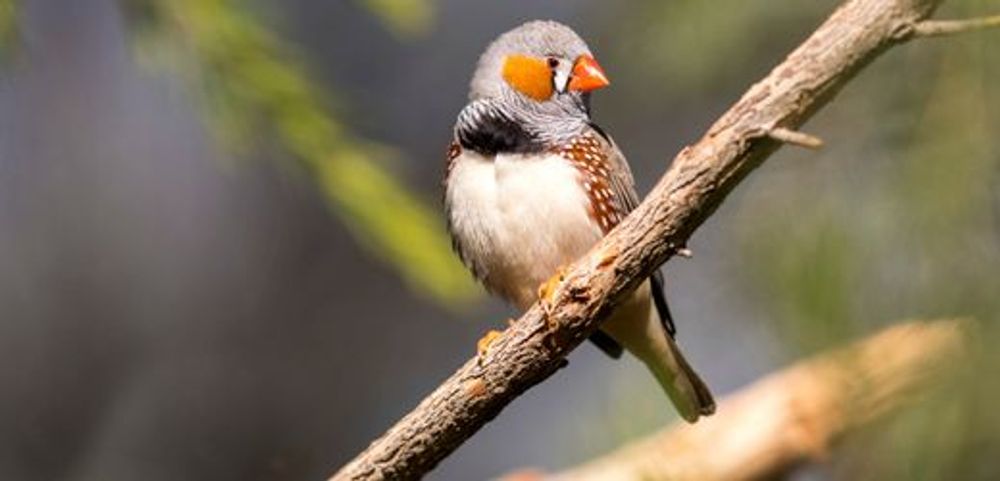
x=489 y=132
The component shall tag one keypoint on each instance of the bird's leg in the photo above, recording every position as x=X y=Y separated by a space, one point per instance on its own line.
x=547 y=290
x=484 y=343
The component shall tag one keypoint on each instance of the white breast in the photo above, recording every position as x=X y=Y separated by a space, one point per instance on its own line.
x=517 y=219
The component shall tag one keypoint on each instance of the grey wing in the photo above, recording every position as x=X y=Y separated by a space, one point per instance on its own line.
x=623 y=190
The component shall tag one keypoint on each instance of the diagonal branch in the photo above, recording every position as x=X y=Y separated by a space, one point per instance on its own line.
x=700 y=178
x=788 y=417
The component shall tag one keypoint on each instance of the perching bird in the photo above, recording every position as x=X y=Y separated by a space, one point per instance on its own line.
x=532 y=183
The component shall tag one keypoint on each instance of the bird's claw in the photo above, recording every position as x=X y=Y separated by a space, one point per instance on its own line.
x=484 y=343
x=548 y=289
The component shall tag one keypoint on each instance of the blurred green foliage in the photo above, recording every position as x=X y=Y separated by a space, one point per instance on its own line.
x=403 y=17
x=252 y=82
x=8 y=26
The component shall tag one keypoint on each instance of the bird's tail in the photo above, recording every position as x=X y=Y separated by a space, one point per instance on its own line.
x=684 y=387
x=637 y=326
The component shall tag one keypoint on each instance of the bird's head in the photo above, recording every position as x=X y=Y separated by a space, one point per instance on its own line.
x=540 y=64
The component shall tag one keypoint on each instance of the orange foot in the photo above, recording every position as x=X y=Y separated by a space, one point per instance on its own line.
x=484 y=343
x=548 y=288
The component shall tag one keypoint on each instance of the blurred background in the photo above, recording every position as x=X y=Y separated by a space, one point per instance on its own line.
x=222 y=254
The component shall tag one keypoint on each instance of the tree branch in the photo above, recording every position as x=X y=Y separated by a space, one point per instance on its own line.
x=800 y=139
x=936 y=28
x=789 y=417
x=699 y=179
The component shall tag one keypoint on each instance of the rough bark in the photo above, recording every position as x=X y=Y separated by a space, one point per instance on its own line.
x=699 y=179
x=789 y=417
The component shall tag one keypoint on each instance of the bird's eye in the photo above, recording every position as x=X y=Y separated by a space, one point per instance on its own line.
x=553 y=62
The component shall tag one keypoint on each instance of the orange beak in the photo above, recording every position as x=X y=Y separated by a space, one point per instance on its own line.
x=587 y=75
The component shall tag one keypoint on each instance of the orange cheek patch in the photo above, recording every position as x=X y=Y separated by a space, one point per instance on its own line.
x=528 y=75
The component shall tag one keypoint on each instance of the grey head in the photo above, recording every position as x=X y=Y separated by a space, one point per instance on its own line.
x=538 y=76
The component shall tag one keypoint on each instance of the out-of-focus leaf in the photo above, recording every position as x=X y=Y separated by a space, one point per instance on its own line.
x=8 y=26
x=403 y=17
x=373 y=202
x=253 y=83
x=808 y=276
